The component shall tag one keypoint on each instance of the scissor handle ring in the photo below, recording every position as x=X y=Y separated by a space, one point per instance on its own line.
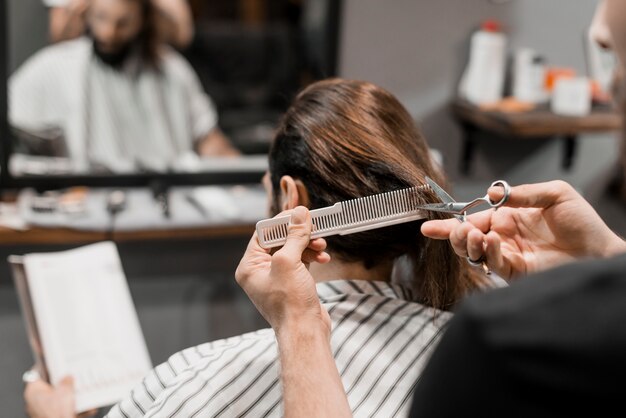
x=505 y=197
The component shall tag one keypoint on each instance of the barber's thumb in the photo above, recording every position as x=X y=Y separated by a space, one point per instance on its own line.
x=299 y=230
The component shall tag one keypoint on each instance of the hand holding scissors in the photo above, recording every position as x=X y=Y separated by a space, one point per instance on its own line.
x=459 y=209
x=541 y=226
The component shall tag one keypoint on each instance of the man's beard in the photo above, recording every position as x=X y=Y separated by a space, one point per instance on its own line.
x=114 y=59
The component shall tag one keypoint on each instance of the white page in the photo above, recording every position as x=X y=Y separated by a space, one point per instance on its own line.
x=87 y=322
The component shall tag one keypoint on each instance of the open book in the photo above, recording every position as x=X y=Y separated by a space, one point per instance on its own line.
x=81 y=321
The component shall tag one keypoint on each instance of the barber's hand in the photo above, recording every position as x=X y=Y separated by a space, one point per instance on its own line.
x=46 y=401
x=544 y=225
x=279 y=283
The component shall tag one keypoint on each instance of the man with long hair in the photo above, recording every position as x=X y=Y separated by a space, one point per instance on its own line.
x=124 y=100
x=339 y=140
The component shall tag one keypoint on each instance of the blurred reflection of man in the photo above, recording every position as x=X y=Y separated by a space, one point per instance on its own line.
x=174 y=19
x=124 y=100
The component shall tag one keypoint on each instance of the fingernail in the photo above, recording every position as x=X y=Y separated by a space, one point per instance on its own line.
x=298 y=216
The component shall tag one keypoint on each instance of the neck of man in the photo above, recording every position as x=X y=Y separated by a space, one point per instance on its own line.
x=338 y=270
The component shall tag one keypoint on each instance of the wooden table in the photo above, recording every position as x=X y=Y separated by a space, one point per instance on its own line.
x=209 y=252
x=55 y=236
x=538 y=123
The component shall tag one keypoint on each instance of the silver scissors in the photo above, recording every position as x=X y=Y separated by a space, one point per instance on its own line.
x=459 y=209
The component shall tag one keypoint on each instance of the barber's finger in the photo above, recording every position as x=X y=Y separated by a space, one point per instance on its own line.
x=33 y=388
x=254 y=245
x=493 y=255
x=539 y=195
x=299 y=234
x=475 y=244
x=309 y=256
x=458 y=238
x=317 y=244
x=441 y=229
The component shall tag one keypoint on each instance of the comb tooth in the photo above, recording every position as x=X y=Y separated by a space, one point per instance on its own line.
x=348 y=213
x=363 y=209
x=395 y=200
x=355 y=211
x=377 y=211
x=373 y=208
x=407 y=201
x=387 y=204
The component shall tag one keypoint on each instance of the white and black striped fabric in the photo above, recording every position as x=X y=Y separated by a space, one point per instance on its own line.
x=380 y=342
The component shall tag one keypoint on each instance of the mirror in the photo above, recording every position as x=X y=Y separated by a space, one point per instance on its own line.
x=124 y=95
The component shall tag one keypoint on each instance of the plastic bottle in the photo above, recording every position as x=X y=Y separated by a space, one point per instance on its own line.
x=483 y=79
x=529 y=77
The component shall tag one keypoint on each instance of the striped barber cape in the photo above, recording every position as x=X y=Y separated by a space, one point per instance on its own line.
x=380 y=340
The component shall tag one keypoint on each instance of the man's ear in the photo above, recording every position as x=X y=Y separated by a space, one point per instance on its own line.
x=292 y=193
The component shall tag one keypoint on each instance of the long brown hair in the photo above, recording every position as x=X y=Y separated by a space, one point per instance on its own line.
x=149 y=37
x=346 y=139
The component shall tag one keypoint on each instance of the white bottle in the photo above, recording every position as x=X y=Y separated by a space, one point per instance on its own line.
x=483 y=79
x=529 y=77
x=571 y=97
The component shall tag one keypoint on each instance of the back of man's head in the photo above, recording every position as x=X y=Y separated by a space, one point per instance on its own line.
x=346 y=139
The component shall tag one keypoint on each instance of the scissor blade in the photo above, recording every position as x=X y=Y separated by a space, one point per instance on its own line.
x=442 y=194
x=452 y=207
x=445 y=198
x=435 y=207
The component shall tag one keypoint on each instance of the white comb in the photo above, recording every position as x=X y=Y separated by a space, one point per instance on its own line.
x=350 y=216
